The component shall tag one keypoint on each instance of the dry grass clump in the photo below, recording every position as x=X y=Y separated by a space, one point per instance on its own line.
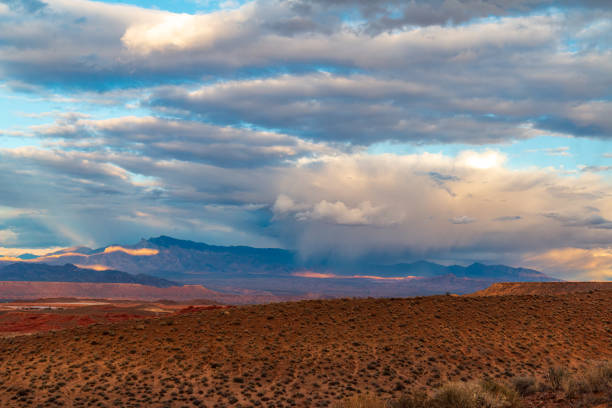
x=484 y=394
x=595 y=379
x=557 y=377
x=591 y=386
x=524 y=385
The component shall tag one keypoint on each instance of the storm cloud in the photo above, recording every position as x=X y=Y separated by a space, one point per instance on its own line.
x=445 y=130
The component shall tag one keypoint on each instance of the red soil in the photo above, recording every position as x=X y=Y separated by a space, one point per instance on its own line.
x=19 y=318
x=127 y=291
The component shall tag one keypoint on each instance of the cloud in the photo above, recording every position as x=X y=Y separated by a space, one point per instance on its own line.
x=260 y=65
x=575 y=263
x=558 y=151
x=317 y=275
x=590 y=221
x=357 y=109
x=257 y=125
x=596 y=169
x=133 y=252
x=179 y=140
x=390 y=15
x=7 y=237
x=462 y=219
x=421 y=210
x=169 y=31
x=24 y=6
x=508 y=218
x=345 y=203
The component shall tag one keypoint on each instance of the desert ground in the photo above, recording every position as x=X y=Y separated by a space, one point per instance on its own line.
x=309 y=353
x=39 y=316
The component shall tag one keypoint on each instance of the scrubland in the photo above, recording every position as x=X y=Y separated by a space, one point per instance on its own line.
x=320 y=353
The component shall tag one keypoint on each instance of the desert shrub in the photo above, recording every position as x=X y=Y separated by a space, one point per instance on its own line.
x=417 y=400
x=595 y=379
x=599 y=377
x=524 y=385
x=495 y=395
x=361 y=401
x=455 y=395
x=557 y=377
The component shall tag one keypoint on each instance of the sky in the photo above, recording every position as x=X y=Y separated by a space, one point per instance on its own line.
x=447 y=130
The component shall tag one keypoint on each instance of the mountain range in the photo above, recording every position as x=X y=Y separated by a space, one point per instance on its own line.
x=246 y=271
x=40 y=272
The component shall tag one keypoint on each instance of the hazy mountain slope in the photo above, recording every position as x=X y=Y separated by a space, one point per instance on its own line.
x=236 y=268
x=37 y=272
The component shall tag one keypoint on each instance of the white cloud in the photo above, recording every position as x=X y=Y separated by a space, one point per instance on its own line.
x=411 y=196
x=483 y=161
x=7 y=237
x=169 y=31
x=574 y=263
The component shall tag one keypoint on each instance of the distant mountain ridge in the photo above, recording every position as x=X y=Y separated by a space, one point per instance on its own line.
x=282 y=273
x=38 y=272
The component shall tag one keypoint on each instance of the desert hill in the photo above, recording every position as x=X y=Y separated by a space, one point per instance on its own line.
x=305 y=354
x=542 y=288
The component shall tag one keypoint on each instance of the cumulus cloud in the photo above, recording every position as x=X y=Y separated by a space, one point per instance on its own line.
x=575 y=263
x=159 y=138
x=330 y=201
x=258 y=125
x=334 y=212
x=360 y=109
x=423 y=213
x=494 y=80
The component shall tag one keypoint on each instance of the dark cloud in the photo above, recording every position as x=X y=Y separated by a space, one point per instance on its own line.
x=485 y=82
x=389 y=15
x=361 y=109
x=592 y=221
x=508 y=218
x=160 y=139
